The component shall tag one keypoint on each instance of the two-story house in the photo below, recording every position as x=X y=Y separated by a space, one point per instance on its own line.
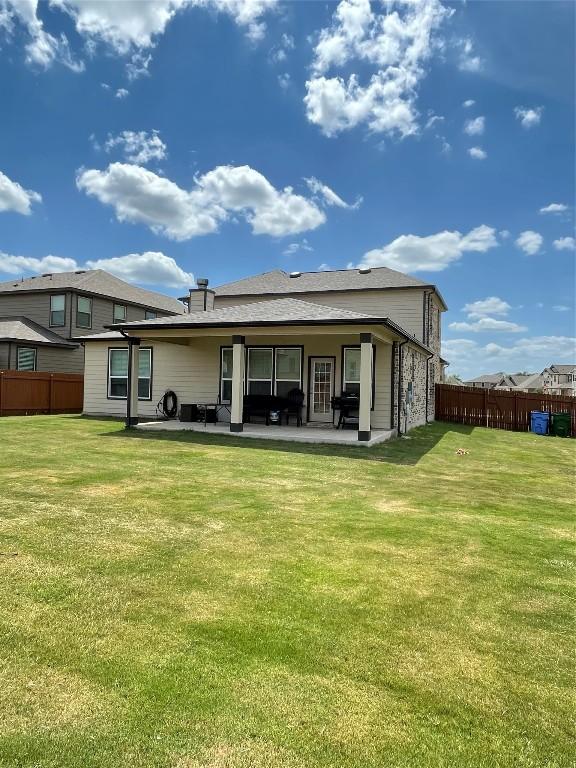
x=559 y=379
x=372 y=334
x=42 y=318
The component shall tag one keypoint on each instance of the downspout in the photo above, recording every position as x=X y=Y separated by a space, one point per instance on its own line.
x=400 y=365
x=427 y=384
x=394 y=343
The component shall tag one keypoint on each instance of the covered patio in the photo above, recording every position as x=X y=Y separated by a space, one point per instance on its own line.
x=229 y=356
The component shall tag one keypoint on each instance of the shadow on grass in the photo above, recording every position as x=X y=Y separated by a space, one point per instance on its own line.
x=404 y=450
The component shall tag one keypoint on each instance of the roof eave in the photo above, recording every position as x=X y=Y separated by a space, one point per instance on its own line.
x=384 y=321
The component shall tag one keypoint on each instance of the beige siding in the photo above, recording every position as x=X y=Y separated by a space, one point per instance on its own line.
x=192 y=372
x=103 y=315
x=404 y=307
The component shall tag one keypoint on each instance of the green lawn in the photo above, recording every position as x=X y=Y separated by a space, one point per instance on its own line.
x=187 y=601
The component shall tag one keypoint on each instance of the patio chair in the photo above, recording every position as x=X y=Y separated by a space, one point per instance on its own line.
x=295 y=401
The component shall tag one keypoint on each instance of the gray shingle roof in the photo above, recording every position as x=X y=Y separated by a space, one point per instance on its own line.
x=488 y=378
x=274 y=312
x=278 y=281
x=23 y=329
x=534 y=381
x=562 y=368
x=95 y=281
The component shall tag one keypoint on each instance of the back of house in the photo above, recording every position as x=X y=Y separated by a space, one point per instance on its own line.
x=289 y=331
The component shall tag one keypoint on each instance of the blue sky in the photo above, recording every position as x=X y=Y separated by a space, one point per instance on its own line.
x=219 y=139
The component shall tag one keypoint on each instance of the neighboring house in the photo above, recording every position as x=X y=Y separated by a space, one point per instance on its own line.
x=532 y=383
x=486 y=381
x=374 y=333
x=42 y=318
x=560 y=379
x=499 y=380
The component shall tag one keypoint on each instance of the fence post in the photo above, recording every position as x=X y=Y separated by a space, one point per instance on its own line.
x=51 y=394
x=1 y=390
x=486 y=405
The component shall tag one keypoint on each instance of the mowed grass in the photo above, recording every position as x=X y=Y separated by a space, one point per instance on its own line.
x=187 y=601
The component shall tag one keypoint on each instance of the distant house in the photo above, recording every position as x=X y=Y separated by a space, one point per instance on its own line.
x=504 y=381
x=42 y=317
x=532 y=383
x=560 y=379
x=486 y=381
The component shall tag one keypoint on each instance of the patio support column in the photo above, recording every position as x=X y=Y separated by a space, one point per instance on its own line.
x=237 y=400
x=132 y=384
x=364 y=432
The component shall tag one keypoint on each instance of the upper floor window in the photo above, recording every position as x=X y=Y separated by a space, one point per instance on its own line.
x=150 y=315
x=119 y=313
x=84 y=312
x=26 y=359
x=57 y=310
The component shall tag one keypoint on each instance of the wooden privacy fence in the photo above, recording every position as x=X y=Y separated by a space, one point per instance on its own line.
x=28 y=392
x=497 y=408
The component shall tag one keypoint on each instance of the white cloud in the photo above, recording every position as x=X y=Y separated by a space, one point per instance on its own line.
x=16 y=265
x=150 y=268
x=488 y=324
x=530 y=242
x=324 y=267
x=328 y=195
x=477 y=153
x=280 y=52
x=433 y=253
x=484 y=307
x=129 y=28
x=554 y=208
x=284 y=80
x=529 y=116
x=293 y=248
x=527 y=354
x=396 y=43
x=565 y=244
x=139 y=147
x=504 y=234
x=141 y=196
x=121 y=93
x=475 y=127
x=468 y=103
x=15 y=198
x=561 y=308
x=468 y=61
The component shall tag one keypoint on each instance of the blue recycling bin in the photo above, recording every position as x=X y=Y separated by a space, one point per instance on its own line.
x=539 y=421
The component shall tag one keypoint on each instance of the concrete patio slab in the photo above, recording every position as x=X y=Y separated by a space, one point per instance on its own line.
x=304 y=434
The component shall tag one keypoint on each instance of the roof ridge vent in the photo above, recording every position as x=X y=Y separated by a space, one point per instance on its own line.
x=295 y=274
x=47 y=274
x=364 y=270
x=80 y=272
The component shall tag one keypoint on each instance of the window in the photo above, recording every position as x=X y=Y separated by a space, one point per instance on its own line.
x=288 y=370
x=118 y=373
x=145 y=374
x=259 y=371
x=226 y=375
x=83 y=312
x=269 y=370
x=26 y=359
x=150 y=315
x=351 y=371
x=119 y=314
x=57 y=310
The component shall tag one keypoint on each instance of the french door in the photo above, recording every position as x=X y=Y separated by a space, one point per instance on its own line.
x=321 y=389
